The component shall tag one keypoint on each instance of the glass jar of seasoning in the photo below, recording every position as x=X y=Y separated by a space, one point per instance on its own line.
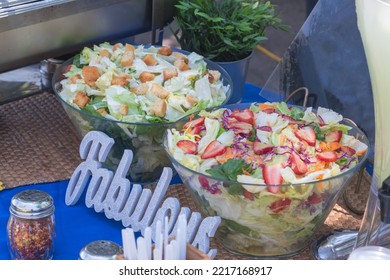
x=30 y=227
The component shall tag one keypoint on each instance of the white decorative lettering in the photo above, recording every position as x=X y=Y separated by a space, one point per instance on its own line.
x=136 y=207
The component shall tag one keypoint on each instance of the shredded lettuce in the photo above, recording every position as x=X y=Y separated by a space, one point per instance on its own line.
x=86 y=55
x=329 y=116
x=282 y=107
x=212 y=128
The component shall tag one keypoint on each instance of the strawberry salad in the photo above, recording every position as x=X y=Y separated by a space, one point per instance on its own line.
x=270 y=171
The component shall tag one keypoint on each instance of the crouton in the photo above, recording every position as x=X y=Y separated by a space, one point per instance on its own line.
x=214 y=76
x=169 y=73
x=146 y=77
x=129 y=47
x=125 y=75
x=159 y=108
x=123 y=109
x=192 y=100
x=142 y=89
x=179 y=55
x=105 y=53
x=181 y=65
x=74 y=79
x=127 y=59
x=167 y=51
x=117 y=46
x=81 y=99
x=150 y=60
x=90 y=74
x=159 y=91
x=119 y=81
x=102 y=111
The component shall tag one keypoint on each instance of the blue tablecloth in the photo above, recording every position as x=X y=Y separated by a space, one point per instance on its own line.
x=78 y=225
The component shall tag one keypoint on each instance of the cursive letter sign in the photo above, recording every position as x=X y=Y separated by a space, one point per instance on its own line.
x=113 y=194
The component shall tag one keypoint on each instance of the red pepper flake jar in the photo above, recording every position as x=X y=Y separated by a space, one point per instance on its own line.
x=30 y=226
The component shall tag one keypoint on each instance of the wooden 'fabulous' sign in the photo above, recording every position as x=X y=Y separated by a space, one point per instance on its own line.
x=136 y=207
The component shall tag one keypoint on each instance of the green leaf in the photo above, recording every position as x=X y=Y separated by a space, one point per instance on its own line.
x=254 y=108
x=154 y=119
x=235 y=189
x=237 y=227
x=341 y=162
x=227 y=41
x=229 y=170
x=297 y=113
x=318 y=132
x=217 y=19
x=76 y=61
x=90 y=110
x=283 y=108
x=258 y=174
x=98 y=102
x=202 y=105
x=253 y=135
x=220 y=131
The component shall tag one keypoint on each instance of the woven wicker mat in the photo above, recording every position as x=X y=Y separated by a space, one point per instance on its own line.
x=38 y=143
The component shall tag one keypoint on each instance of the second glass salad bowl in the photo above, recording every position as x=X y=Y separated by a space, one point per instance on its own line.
x=133 y=93
x=272 y=172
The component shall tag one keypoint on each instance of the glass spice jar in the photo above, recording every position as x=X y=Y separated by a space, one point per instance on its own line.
x=101 y=250
x=30 y=227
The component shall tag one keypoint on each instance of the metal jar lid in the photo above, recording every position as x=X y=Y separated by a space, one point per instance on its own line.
x=49 y=66
x=101 y=250
x=31 y=204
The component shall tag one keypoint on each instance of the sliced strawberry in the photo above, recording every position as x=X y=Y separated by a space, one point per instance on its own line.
x=261 y=148
x=241 y=127
x=348 y=150
x=334 y=136
x=194 y=123
x=204 y=182
x=273 y=189
x=195 y=130
x=279 y=205
x=213 y=189
x=248 y=195
x=187 y=146
x=298 y=165
x=328 y=156
x=307 y=134
x=213 y=149
x=265 y=128
x=243 y=116
x=268 y=110
x=289 y=119
x=273 y=176
x=315 y=198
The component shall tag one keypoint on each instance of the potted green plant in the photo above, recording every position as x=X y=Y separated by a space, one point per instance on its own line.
x=225 y=31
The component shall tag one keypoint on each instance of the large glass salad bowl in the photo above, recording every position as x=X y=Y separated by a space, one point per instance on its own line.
x=271 y=171
x=132 y=93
